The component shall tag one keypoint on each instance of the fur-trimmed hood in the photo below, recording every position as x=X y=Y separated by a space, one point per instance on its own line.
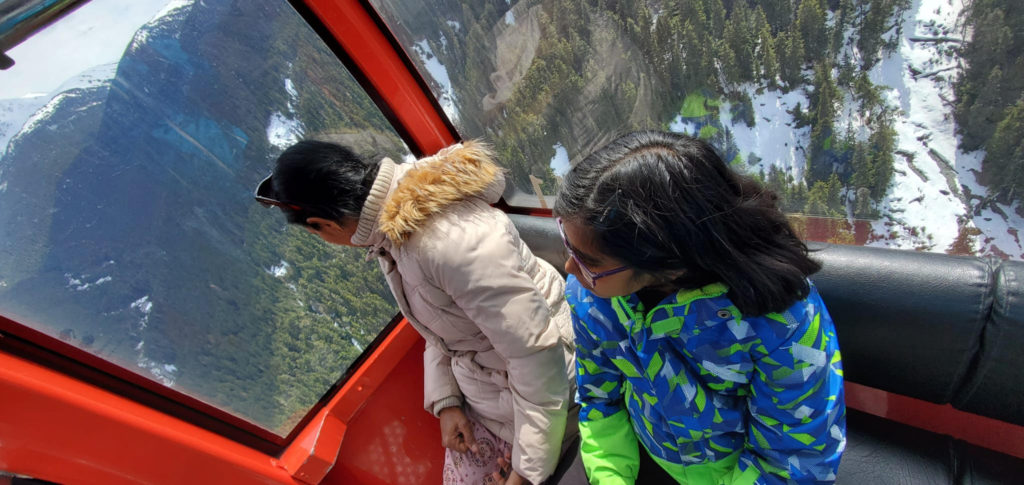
x=405 y=196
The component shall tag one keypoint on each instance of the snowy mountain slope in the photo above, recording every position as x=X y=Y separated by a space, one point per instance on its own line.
x=935 y=188
x=934 y=201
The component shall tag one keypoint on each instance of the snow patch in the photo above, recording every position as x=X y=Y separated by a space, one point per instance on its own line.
x=172 y=7
x=440 y=75
x=774 y=138
x=282 y=131
x=935 y=197
x=280 y=270
x=75 y=283
x=560 y=162
x=164 y=373
x=161 y=371
x=143 y=305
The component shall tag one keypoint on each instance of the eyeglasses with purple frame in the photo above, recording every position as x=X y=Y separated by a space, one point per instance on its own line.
x=588 y=275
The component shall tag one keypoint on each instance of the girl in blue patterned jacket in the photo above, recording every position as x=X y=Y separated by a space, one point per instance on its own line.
x=698 y=334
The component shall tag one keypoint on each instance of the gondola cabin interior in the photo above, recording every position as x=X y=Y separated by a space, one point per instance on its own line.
x=158 y=326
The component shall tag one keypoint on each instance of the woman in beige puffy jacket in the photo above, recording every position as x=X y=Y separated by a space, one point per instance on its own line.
x=498 y=365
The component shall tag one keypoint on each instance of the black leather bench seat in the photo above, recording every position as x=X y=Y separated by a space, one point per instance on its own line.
x=881 y=451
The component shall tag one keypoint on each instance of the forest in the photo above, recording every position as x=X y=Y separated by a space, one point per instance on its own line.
x=602 y=67
x=689 y=53
x=990 y=95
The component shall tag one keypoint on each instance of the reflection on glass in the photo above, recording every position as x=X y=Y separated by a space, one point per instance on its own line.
x=880 y=122
x=133 y=133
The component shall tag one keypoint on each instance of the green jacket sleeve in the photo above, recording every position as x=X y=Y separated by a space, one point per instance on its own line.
x=609 y=450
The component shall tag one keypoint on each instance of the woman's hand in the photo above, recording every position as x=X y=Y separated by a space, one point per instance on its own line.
x=506 y=475
x=457 y=431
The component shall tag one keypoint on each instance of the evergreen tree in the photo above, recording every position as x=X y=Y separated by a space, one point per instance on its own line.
x=731 y=69
x=779 y=14
x=739 y=45
x=1004 y=157
x=875 y=24
x=791 y=59
x=822 y=157
x=844 y=16
x=982 y=95
x=825 y=198
x=987 y=110
x=769 y=59
x=810 y=22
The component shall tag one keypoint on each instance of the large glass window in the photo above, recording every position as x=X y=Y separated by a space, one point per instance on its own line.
x=133 y=133
x=881 y=122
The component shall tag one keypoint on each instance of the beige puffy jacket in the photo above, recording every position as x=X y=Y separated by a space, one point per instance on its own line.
x=498 y=332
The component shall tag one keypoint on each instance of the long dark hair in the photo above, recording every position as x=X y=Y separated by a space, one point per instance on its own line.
x=325 y=179
x=664 y=203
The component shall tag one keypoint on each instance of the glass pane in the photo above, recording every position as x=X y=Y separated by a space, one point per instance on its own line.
x=134 y=133
x=880 y=122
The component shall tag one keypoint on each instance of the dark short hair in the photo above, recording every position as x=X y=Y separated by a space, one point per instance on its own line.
x=665 y=202
x=325 y=179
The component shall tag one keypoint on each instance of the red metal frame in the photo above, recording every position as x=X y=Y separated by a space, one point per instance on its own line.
x=30 y=344
x=59 y=428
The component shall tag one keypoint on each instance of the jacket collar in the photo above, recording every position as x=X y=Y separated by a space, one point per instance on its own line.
x=404 y=196
x=367 y=232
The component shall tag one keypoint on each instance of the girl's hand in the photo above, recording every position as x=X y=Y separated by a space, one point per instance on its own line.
x=457 y=431
x=506 y=475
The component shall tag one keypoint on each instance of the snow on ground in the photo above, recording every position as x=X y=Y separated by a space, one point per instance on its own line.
x=13 y=115
x=934 y=192
x=77 y=284
x=283 y=131
x=439 y=73
x=172 y=7
x=773 y=137
x=24 y=113
x=144 y=306
x=560 y=162
x=160 y=371
x=280 y=270
x=928 y=191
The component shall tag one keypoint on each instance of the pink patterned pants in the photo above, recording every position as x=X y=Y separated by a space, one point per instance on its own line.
x=475 y=468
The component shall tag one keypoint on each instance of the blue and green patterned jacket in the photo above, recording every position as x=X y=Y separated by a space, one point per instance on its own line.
x=714 y=396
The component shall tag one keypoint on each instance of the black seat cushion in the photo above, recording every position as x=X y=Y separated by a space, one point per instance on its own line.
x=907 y=322
x=884 y=452
x=996 y=386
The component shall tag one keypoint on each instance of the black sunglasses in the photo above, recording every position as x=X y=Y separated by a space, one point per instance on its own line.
x=263 y=192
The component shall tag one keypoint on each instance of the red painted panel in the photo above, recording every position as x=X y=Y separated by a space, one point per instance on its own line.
x=944 y=419
x=392 y=439
x=57 y=428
